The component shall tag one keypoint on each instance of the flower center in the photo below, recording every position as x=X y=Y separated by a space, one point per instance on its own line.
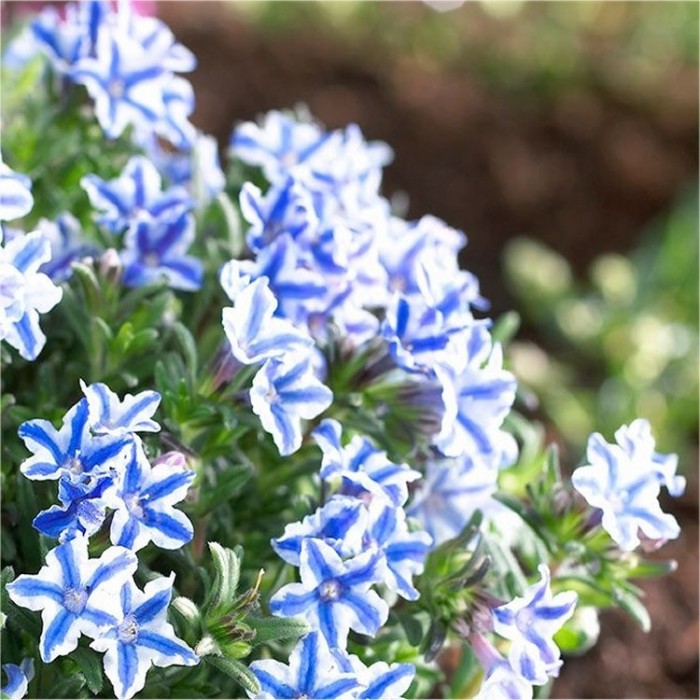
x=618 y=500
x=524 y=619
x=151 y=260
x=116 y=88
x=330 y=590
x=74 y=600
x=128 y=630
x=74 y=465
x=133 y=505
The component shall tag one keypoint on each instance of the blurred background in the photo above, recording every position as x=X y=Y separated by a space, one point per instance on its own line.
x=563 y=139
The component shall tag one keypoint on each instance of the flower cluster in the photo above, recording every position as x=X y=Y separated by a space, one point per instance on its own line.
x=100 y=463
x=127 y=62
x=357 y=539
x=157 y=225
x=353 y=352
x=25 y=289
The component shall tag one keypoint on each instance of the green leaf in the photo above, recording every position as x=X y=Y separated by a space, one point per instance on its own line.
x=227 y=570
x=236 y=670
x=276 y=629
x=90 y=665
x=505 y=327
x=413 y=628
x=651 y=569
x=634 y=608
x=89 y=284
x=189 y=350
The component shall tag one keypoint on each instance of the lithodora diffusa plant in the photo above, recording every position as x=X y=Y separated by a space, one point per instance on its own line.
x=257 y=432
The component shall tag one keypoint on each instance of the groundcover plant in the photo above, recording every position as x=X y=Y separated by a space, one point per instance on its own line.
x=257 y=432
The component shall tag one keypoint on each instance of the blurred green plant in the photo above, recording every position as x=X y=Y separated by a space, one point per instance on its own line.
x=516 y=45
x=625 y=341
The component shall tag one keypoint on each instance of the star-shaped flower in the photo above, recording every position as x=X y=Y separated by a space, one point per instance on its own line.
x=25 y=293
x=125 y=81
x=15 y=194
x=477 y=399
x=73 y=452
x=143 y=500
x=141 y=636
x=254 y=332
x=74 y=593
x=333 y=595
x=312 y=673
x=283 y=393
x=136 y=194
x=280 y=144
x=67 y=245
x=450 y=493
x=156 y=249
x=624 y=481
x=340 y=523
x=108 y=415
x=365 y=470
x=530 y=622
x=404 y=551
x=380 y=680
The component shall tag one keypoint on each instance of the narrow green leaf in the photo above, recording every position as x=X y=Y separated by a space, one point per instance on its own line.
x=236 y=670
x=226 y=573
x=634 y=608
x=651 y=569
x=189 y=350
x=276 y=629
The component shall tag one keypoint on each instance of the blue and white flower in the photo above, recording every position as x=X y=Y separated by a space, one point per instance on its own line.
x=15 y=194
x=340 y=523
x=451 y=492
x=135 y=195
x=25 y=293
x=404 y=551
x=72 y=453
x=637 y=441
x=253 y=331
x=279 y=145
x=529 y=622
x=156 y=250
x=125 y=81
x=67 y=243
x=18 y=678
x=312 y=672
x=74 y=593
x=334 y=596
x=140 y=636
x=108 y=415
x=405 y=247
x=286 y=208
x=283 y=393
x=143 y=500
x=300 y=290
x=624 y=481
x=82 y=511
x=365 y=471
x=477 y=399
x=502 y=682
x=420 y=337
x=380 y=680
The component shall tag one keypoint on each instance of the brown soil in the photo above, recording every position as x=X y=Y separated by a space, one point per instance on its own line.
x=584 y=171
